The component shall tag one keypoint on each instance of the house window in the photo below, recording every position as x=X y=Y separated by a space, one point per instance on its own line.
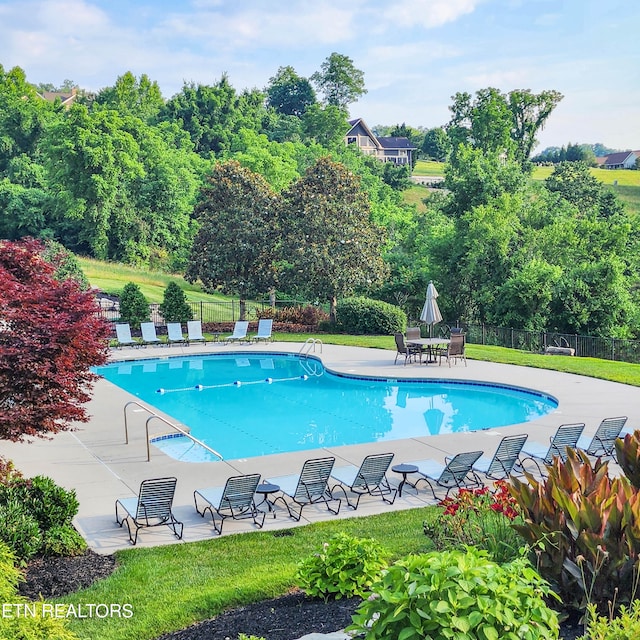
x=351 y=139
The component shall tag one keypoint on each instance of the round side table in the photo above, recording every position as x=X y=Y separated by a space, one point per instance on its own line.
x=405 y=470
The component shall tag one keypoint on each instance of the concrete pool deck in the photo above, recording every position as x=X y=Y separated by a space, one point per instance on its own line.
x=95 y=461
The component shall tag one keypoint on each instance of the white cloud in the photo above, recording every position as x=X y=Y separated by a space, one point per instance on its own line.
x=428 y=13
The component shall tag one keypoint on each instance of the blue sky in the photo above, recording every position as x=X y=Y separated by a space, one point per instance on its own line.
x=415 y=54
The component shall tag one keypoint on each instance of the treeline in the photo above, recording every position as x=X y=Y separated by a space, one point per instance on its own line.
x=586 y=153
x=254 y=191
x=117 y=176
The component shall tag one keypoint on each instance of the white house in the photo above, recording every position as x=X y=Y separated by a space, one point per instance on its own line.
x=621 y=160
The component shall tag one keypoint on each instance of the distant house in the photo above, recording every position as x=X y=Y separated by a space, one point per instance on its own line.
x=621 y=160
x=67 y=98
x=387 y=149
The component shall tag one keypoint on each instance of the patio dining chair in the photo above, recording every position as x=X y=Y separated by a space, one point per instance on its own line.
x=151 y=508
x=310 y=487
x=235 y=500
x=403 y=349
x=603 y=442
x=566 y=437
x=370 y=478
x=504 y=460
x=457 y=472
x=455 y=349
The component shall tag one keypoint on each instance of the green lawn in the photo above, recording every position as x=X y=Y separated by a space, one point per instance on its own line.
x=171 y=587
x=111 y=277
x=428 y=168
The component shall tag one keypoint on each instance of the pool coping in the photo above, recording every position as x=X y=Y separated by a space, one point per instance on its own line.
x=95 y=461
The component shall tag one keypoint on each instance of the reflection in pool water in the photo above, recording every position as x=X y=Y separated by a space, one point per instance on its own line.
x=250 y=405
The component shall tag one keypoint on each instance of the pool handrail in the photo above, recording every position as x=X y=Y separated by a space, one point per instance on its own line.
x=310 y=344
x=167 y=422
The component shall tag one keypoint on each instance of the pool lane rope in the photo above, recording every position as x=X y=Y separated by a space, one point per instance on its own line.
x=237 y=383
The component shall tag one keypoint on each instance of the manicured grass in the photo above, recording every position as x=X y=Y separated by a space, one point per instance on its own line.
x=111 y=277
x=623 y=177
x=428 y=168
x=174 y=586
x=623 y=372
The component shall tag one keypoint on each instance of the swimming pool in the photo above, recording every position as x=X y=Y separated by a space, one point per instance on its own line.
x=248 y=405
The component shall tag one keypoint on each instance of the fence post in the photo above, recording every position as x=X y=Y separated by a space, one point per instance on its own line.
x=512 y=338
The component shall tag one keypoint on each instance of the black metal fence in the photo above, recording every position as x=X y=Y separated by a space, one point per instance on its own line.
x=533 y=341
x=206 y=311
x=538 y=341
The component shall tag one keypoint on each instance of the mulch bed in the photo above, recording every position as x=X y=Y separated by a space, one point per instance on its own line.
x=286 y=618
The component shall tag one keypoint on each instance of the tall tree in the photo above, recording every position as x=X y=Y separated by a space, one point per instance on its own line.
x=331 y=247
x=529 y=112
x=212 y=114
x=436 y=144
x=500 y=123
x=339 y=81
x=140 y=98
x=288 y=93
x=51 y=335
x=235 y=245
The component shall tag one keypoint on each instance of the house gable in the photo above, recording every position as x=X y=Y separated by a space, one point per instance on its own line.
x=398 y=150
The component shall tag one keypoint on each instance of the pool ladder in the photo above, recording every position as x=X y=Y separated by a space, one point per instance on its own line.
x=310 y=345
x=155 y=416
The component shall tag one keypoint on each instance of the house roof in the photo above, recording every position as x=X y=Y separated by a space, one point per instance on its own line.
x=396 y=143
x=66 y=97
x=359 y=122
x=618 y=158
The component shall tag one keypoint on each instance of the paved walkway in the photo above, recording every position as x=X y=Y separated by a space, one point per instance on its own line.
x=95 y=461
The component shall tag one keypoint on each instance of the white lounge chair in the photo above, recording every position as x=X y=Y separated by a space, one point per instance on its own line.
x=194 y=331
x=149 y=335
x=123 y=335
x=265 y=325
x=239 y=332
x=174 y=333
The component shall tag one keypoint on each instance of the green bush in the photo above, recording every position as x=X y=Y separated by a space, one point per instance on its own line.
x=63 y=540
x=50 y=504
x=345 y=566
x=14 y=626
x=460 y=595
x=19 y=530
x=626 y=626
x=37 y=515
x=134 y=307
x=174 y=306
x=370 y=317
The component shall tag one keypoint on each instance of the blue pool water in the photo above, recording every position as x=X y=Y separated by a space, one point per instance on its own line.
x=251 y=405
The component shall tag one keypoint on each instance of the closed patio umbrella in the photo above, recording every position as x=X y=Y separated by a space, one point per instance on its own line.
x=430 y=312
